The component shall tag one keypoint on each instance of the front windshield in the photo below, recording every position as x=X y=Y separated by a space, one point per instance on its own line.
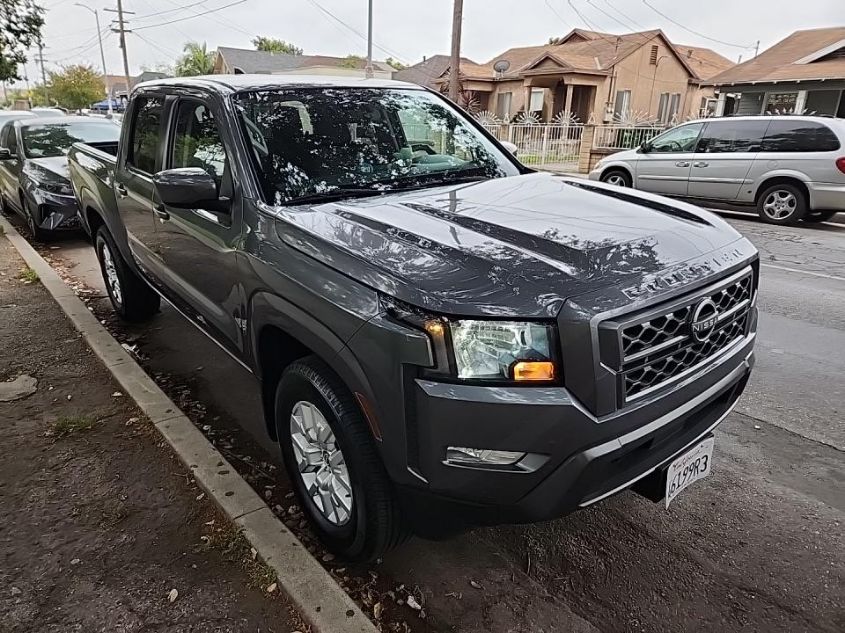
x=316 y=142
x=54 y=139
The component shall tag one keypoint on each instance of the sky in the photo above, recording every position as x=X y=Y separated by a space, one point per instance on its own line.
x=407 y=30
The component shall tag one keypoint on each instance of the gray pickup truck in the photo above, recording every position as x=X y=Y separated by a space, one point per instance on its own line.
x=443 y=337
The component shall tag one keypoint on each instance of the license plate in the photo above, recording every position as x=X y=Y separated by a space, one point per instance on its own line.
x=693 y=465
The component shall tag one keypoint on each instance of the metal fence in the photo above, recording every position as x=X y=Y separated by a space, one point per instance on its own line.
x=624 y=136
x=548 y=145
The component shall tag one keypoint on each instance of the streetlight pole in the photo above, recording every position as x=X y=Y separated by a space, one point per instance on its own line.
x=653 y=77
x=368 y=71
x=102 y=53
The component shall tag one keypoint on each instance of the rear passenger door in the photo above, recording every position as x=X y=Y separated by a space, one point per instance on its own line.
x=725 y=153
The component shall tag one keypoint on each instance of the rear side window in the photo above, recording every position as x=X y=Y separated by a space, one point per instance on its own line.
x=143 y=144
x=799 y=136
x=732 y=136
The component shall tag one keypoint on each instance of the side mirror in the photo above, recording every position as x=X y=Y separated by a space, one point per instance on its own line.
x=188 y=188
x=645 y=148
x=513 y=149
x=5 y=153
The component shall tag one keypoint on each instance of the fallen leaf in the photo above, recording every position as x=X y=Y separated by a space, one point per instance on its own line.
x=117 y=394
x=455 y=594
x=171 y=597
x=412 y=602
x=75 y=561
x=377 y=610
x=253 y=552
x=16 y=591
x=200 y=496
x=475 y=585
x=327 y=558
x=271 y=588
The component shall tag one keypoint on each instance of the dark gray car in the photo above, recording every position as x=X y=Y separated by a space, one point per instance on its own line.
x=443 y=337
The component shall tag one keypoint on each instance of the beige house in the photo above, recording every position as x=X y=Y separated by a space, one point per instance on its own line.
x=240 y=60
x=804 y=72
x=598 y=76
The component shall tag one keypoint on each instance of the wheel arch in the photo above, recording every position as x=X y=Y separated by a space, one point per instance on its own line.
x=781 y=179
x=626 y=169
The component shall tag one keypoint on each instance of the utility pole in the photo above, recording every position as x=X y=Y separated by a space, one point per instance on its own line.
x=43 y=72
x=122 y=30
x=102 y=53
x=368 y=71
x=454 y=75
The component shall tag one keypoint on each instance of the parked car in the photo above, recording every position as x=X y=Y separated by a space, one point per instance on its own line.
x=33 y=168
x=13 y=115
x=48 y=112
x=790 y=167
x=442 y=337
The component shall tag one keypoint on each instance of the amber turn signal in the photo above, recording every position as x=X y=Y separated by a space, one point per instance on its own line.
x=533 y=370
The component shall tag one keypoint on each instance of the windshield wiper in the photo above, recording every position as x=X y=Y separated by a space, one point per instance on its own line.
x=335 y=194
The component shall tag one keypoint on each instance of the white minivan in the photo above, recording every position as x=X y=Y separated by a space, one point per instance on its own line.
x=790 y=167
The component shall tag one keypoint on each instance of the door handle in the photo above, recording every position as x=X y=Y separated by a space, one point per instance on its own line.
x=121 y=190
x=682 y=163
x=700 y=163
x=161 y=213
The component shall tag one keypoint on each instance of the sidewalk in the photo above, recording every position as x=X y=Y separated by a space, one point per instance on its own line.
x=100 y=522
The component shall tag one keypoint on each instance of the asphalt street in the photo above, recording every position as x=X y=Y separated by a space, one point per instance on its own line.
x=757 y=546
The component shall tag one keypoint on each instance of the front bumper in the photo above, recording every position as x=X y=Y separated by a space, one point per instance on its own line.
x=54 y=212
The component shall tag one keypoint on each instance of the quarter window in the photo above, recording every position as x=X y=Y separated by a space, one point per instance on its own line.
x=197 y=142
x=732 y=136
x=799 y=136
x=145 y=134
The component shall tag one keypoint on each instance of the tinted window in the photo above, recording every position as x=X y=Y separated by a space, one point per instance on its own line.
x=313 y=141
x=197 y=142
x=679 y=139
x=732 y=136
x=145 y=133
x=799 y=136
x=55 y=139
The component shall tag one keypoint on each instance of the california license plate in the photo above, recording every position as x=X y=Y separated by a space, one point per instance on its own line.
x=693 y=465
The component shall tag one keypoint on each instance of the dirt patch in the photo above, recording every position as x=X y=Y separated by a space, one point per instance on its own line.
x=100 y=521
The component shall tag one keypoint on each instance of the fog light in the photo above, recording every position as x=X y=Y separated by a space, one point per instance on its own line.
x=479 y=456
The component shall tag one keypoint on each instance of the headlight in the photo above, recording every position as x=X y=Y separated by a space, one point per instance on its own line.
x=502 y=350
x=62 y=189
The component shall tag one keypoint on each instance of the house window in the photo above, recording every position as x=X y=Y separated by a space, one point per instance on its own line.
x=503 y=104
x=663 y=106
x=668 y=106
x=536 y=102
x=674 y=105
x=623 y=104
x=780 y=102
x=653 y=57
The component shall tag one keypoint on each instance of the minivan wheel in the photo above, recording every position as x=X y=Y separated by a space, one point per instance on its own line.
x=616 y=177
x=782 y=204
x=130 y=296
x=333 y=464
x=820 y=216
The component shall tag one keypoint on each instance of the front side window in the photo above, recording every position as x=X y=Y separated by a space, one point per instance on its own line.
x=8 y=138
x=323 y=141
x=799 y=136
x=721 y=137
x=55 y=139
x=143 y=145
x=196 y=141
x=679 y=139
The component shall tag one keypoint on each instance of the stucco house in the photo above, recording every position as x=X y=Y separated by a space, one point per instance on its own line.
x=241 y=60
x=592 y=75
x=804 y=72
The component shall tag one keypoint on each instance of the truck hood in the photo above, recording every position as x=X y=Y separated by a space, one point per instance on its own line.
x=516 y=246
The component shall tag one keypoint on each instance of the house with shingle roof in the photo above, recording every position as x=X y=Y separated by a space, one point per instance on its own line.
x=805 y=72
x=592 y=75
x=236 y=61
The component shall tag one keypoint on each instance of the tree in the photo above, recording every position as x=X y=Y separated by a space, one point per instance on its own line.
x=273 y=45
x=197 y=60
x=396 y=65
x=352 y=61
x=76 y=87
x=20 y=28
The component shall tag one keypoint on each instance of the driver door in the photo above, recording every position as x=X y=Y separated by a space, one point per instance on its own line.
x=664 y=165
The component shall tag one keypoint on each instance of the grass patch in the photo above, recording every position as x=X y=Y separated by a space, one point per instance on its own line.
x=68 y=425
x=235 y=548
x=28 y=276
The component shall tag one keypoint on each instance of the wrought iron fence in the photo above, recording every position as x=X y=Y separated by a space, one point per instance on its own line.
x=548 y=145
x=624 y=136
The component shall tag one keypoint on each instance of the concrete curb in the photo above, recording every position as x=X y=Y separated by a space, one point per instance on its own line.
x=313 y=591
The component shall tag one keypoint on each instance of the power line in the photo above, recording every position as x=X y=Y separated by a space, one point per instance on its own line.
x=187 y=6
x=605 y=13
x=161 y=49
x=706 y=37
x=191 y=17
x=356 y=31
x=626 y=16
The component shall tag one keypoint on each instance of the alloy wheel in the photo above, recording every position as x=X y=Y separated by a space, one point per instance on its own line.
x=111 y=274
x=616 y=179
x=780 y=204
x=321 y=463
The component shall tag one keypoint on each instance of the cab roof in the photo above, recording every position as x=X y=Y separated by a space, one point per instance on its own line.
x=239 y=83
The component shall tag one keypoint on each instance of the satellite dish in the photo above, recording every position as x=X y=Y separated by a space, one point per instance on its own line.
x=501 y=66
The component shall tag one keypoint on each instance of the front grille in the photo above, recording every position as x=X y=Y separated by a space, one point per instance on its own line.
x=657 y=348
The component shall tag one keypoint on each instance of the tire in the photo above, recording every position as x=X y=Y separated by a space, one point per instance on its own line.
x=39 y=234
x=783 y=203
x=618 y=177
x=130 y=296
x=820 y=216
x=5 y=209
x=364 y=521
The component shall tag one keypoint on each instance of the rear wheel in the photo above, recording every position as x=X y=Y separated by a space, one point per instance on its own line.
x=783 y=203
x=820 y=216
x=130 y=296
x=617 y=177
x=332 y=461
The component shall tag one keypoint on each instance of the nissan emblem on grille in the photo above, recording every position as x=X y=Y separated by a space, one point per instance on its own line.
x=703 y=320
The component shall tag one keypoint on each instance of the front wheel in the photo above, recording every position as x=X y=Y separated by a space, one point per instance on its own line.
x=783 y=203
x=616 y=177
x=39 y=234
x=130 y=296
x=332 y=462
x=820 y=216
